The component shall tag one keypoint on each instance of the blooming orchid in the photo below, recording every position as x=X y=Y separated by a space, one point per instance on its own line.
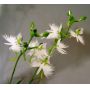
x=46 y=67
x=77 y=34
x=54 y=31
x=33 y=43
x=14 y=42
x=39 y=52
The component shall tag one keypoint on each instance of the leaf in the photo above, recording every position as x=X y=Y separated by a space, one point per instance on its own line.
x=36 y=34
x=33 y=30
x=45 y=34
x=82 y=18
x=71 y=18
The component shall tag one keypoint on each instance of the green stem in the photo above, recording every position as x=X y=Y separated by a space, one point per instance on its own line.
x=30 y=82
x=30 y=39
x=40 y=76
x=51 y=49
x=15 y=67
x=18 y=61
x=68 y=28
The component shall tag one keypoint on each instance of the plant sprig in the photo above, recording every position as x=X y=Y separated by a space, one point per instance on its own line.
x=38 y=52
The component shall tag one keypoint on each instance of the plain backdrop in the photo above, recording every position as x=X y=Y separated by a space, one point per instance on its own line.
x=69 y=69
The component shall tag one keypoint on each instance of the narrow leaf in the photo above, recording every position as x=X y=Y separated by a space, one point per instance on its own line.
x=82 y=18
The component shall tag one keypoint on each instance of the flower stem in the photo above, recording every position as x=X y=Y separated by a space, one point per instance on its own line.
x=18 y=61
x=30 y=82
x=15 y=67
x=51 y=49
x=41 y=75
x=30 y=39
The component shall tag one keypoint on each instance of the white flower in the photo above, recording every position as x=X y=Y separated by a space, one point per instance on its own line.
x=39 y=52
x=46 y=67
x=33 y=43
x=13 y=42
x=54 y=31
x=60 y=47
x=77 y=35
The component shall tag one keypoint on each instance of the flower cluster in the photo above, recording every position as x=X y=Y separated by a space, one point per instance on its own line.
x=38 y=52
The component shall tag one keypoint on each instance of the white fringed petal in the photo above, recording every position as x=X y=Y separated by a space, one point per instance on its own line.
x=40 y=53
x=61 y=46
x=79 y=38
x=33 y=43
x=12 y=42
x=47 y=68
x=54 y=31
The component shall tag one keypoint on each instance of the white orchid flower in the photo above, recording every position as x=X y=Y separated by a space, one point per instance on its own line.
x=77 y=34
x=54 y=31
x=39 y=52
x=60 y=47
x=34 y=43
x=46 y=67
x=13 y=42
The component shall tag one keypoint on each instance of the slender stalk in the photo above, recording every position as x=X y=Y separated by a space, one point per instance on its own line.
x=15 y=67
x=52 y=47
x=30 y=39
x=30 y=82
x=40 y=76
x=18 y=61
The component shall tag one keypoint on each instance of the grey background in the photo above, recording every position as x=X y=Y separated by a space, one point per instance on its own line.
x=71 y=68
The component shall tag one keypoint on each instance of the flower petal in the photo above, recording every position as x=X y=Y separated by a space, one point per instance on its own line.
x=80 y=38
x=12 y=42
x=33 y=43
x=73 y=34
x=62 y=51
x=48 y=70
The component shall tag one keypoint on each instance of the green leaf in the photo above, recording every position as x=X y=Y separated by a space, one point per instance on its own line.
x=64 y=34
x=71 y=19
x=82 y=18
x=35 y=33
x=33 y=30
x=45 y=34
